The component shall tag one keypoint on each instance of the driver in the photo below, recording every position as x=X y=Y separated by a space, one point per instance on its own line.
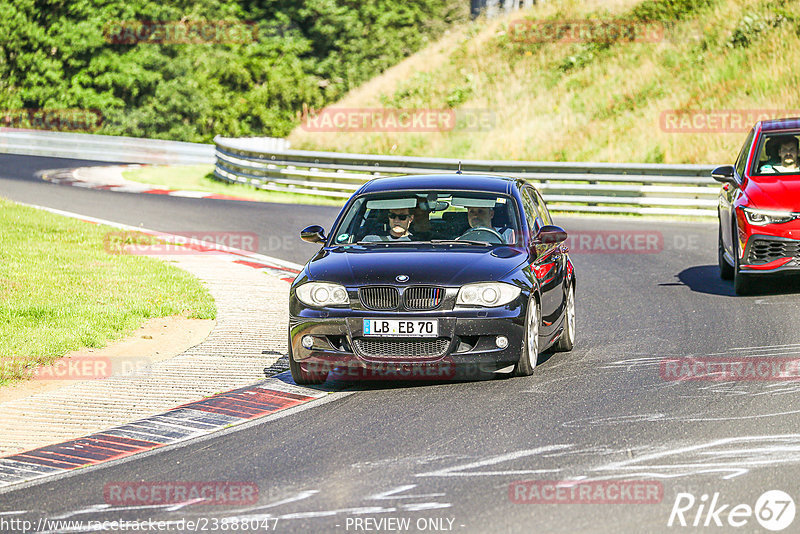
x=482 y=218
x=787 y=154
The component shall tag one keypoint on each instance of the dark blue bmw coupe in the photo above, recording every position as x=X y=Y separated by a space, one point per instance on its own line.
x=425 y=276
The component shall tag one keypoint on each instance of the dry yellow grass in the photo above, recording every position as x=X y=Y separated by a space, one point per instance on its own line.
x=607 y=108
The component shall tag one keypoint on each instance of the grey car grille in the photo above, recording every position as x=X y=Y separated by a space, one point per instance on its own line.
x=402 y=348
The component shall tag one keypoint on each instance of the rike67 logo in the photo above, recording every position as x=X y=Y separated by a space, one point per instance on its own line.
x=774 y=510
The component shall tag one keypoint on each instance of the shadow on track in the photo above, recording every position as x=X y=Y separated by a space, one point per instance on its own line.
x=280 y=368
x=705 y=279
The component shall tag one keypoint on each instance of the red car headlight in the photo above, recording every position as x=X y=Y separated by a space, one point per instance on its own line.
x=763 y=217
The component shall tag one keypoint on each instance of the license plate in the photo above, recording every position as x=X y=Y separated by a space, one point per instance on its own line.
x=401 y=327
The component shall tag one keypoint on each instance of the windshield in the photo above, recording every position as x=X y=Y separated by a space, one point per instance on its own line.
x=777 y=155
x=422 y=216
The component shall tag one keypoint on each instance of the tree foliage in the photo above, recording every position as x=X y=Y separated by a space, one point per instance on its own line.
x=60 y=54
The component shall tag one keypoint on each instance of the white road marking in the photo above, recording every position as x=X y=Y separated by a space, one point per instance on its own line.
x=392 y=494
x=419 y=507
x=457 y=471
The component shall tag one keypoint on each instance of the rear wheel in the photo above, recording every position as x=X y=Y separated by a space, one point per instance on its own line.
x=304 y=378
x=530 y=344
x=567 y=339
x=725 y=268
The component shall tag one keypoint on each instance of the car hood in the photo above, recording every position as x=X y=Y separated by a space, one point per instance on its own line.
x=774 y=192
x=354 y=266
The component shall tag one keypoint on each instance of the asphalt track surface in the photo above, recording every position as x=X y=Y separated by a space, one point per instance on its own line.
x=443 y=456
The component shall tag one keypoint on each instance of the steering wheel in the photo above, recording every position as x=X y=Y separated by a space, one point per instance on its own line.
x=482 y=233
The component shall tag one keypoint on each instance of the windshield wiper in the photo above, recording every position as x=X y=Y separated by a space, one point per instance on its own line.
x=391 y=243
x=459 y=242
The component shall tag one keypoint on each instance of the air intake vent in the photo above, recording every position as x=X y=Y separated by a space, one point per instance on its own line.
x=379 y=298
x=401 y=348
x=767 y=250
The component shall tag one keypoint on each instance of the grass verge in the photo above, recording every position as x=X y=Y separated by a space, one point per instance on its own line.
x=61 y=291
x=201 y=178
x=718 y=64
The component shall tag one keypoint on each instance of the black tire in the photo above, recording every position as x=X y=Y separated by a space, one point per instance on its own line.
x=530 y=342
x=725 y=269
x=303 y=378
x=742 y=283
x=567 y=339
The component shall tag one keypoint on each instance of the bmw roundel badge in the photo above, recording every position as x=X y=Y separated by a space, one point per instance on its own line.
x=401 y=278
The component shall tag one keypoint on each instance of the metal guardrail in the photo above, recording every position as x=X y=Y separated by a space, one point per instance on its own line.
x=642 y=188
x=103 y=147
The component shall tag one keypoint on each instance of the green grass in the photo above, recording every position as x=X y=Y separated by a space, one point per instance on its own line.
x=60 y=290
x=592 y=101
x=201 y=178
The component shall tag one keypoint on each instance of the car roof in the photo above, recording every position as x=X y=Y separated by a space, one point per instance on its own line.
x=781 y=124
x=467 y=182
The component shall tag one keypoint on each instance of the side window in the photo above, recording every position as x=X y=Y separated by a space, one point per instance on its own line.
x=531 y=210
x=543 y=213
x=741 y=161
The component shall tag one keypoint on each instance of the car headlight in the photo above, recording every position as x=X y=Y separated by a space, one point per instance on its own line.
x=762 y=217
x=487 y=294
x=321 y=294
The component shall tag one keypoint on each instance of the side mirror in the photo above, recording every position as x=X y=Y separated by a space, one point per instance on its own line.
x=313 y=234
x=550 y=234
x=724 y=174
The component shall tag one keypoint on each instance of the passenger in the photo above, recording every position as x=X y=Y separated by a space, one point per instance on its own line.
x=771 y=150
x=787 y=155
x=399 y=220
x=422 y=224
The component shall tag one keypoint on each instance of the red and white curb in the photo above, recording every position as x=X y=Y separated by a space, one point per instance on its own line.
x=73 y=178
x=179 y=424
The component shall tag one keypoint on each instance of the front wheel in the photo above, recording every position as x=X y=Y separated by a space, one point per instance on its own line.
x=530 y=345
x=725 y=268
x=567 y=340
x=742 y=283
x=301 y=377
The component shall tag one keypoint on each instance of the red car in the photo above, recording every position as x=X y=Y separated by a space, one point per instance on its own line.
x=759 y=206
